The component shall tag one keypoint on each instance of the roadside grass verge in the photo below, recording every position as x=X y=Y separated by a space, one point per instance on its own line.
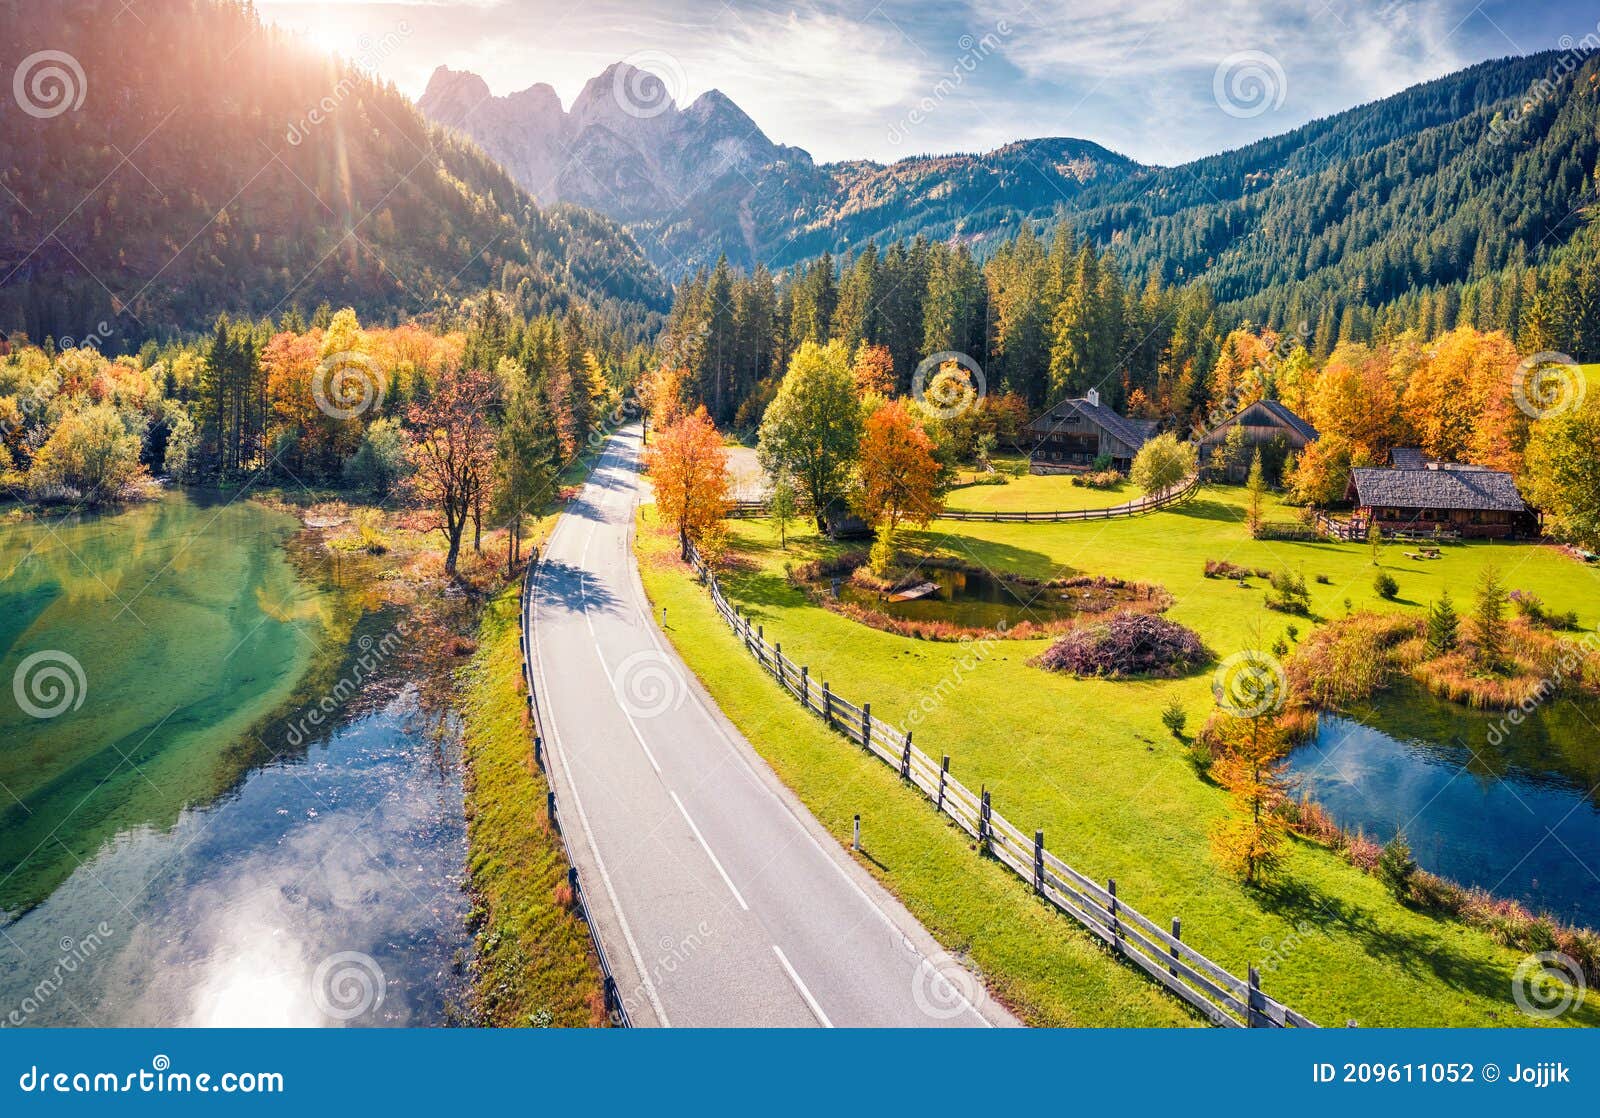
x=1090 y=762
x=534 y=963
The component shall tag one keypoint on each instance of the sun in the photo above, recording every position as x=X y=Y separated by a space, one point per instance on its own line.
x=328 y=35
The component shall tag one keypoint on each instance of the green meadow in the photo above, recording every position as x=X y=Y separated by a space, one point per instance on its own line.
x=1090 y=762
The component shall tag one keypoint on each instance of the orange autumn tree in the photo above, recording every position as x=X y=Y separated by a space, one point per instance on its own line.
x=689 y=469
x=873 y=370
x=898 y=478
x=1249 y=750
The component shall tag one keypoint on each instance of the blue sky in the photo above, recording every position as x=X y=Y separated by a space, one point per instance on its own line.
x=1162 y=82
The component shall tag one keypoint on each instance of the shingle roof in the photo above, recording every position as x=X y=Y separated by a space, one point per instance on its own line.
x=1134 y=432
x=1280 y=414
x=1441 y=488
x=1289 y=419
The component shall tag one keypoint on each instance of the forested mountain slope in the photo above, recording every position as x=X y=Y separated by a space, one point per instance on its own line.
x=188 y=160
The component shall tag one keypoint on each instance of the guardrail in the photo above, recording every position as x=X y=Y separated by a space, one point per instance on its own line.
x=1166 y=498
x=613 y=999
x=1224 y=998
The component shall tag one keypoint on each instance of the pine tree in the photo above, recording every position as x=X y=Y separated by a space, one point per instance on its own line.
x=1489 y=633
x=1443 y=626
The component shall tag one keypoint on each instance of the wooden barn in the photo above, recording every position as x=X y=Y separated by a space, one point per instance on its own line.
x=1267 y=424
x=1074 y=433
x=1469 y=501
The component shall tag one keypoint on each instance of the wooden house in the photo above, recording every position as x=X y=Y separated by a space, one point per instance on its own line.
x=1268 y=425
x=1075 y=433
x=1469 y=501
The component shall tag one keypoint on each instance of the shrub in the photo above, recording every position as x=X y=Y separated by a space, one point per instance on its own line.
x=1384 y=585
x=1098 y=479
x=1324 y=580
x=1127 y=644
x=1221 y=568
x=1288 y=594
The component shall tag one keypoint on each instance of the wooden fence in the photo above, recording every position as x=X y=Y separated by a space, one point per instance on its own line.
x=1166 y=498
x=613 y=1000
x=1224 y=998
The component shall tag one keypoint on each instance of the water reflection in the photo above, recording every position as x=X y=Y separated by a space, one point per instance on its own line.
x=1513 y=811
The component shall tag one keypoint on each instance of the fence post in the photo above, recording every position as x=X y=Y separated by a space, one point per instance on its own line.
x=538 y=751
x=1038 y=862
x=905 y=759
x=805 y=686
x=983 y=824
x=550 y=808
x=827 y=704
x=944 y=774
x=1177 y=934
x=1116 y=922
x=777 y=649
x=1251 y=1018
x=572 y=880
x=866 y=726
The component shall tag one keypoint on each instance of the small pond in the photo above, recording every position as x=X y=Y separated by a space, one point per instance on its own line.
x=974 y=599
x=1510 y=808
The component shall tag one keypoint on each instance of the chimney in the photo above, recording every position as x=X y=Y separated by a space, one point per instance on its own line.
x=1093 y=396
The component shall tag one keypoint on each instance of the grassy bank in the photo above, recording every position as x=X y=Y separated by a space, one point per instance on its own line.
x=1090 y=762
x=534 y=965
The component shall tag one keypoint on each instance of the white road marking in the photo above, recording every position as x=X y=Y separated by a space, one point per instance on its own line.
x=706 y=846
x=816 y=1010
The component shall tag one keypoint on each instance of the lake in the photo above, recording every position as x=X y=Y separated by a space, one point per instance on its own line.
x=1510 y=808
x=222 y=801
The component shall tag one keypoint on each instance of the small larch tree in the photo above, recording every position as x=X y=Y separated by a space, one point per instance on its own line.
x=1250 y=765
x=1256 y=499
x=689 y=470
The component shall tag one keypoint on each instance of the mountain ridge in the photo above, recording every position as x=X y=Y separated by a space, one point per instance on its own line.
x=703 y=181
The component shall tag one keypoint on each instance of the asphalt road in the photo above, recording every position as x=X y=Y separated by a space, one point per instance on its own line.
x=720 y=900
